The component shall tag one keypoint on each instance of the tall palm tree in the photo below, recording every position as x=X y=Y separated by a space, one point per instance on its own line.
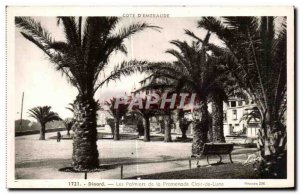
x=155 y=109
x=68 y=123
x=117 y=113
x=43 y=115
x=193 y=71
x=82 y=58
x=255 y=54
x=145 y=114
x=221 y=88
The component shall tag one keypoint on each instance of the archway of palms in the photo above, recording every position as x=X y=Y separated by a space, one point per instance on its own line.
x=252 y=61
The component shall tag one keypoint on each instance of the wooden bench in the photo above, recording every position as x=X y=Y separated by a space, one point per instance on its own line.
x=218 y=149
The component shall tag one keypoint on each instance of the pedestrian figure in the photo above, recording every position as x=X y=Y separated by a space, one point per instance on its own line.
x=58 y=136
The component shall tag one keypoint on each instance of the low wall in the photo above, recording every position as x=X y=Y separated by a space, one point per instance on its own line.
x=235 y=139
x=240 y=139
x=32 y=132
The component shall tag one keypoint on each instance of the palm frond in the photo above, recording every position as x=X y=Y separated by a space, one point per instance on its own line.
x=83 y=56
x=43 y=114
x=34 y=29
x=134 y=28
x=255 y=56
x=124 y=69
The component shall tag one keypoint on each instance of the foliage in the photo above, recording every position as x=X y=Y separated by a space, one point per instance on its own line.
x=255 y=54
x=69 y=122
x=71 y=106
x=253 y=114
x=43 y=114
x=87 y=48
x=27 y=125
x=197 y=69
x=111 y=124
x=119 y=111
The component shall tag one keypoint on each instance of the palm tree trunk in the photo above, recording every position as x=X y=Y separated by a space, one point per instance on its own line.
x=85 y=153
x=162 y=126
x=210 y=135
x=117 y=130
x=140 y=127
x=111 y=124
x=168 y=137
x=217 y=119
x=210 y=131
x=183 y=127
x=200 y=130
x=183 y=136
x=147 y=129
x=272 y=146
x=42 y=132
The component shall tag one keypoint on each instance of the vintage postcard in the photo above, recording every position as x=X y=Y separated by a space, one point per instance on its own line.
x=150 y=97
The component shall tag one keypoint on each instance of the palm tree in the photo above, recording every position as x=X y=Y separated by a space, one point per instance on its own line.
x=43 y=115
x=255 y=54
x=82 y=58
x=221 y=88
x=251 y=114
x=184 y=123
x=193 y=71
x=143 y=113
x=117 y=113
x=146 y=114
x=68 y=124
x=155 y=110
x=111 y=123
x=71 y=107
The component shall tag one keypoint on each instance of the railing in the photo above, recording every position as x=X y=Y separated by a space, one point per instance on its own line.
x=125 y=170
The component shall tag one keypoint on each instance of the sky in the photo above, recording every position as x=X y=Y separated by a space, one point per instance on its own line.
x=43 y=85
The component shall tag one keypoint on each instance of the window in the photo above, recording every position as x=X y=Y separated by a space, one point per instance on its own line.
x=230 y=129
x=225 y=117
x=233 y=103
x=234 y=114
x=240 y=103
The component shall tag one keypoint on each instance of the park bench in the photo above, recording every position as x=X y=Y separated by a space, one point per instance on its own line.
x=218 y=149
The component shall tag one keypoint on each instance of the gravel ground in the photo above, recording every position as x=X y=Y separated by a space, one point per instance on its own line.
x=37 y=159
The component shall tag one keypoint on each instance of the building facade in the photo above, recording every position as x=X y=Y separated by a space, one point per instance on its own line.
x=234 y=124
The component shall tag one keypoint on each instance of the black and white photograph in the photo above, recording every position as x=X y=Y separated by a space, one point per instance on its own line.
x=141 y=97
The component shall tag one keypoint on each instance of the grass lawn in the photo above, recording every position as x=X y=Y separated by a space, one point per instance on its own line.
x=223 y=171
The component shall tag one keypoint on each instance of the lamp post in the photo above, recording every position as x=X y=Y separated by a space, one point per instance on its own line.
x=21 y=111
